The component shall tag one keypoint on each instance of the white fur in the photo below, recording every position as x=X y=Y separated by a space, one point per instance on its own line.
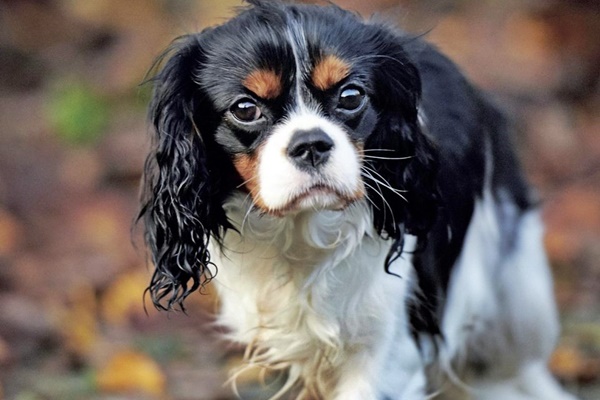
x=297 y=39
x=500 y=309
x=308 y=292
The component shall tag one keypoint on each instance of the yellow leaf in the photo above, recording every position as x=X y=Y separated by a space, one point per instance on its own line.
x=78 y=321
x=124 y=297
x=130 y=371
x=567 y=362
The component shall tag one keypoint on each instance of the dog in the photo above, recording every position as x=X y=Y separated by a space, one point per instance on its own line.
x=357 y=202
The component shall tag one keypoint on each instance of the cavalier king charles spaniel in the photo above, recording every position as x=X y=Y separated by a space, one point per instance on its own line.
x=359 y=206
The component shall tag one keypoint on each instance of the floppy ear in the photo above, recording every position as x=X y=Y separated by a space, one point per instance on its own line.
x=402 y=159
x=181 y=199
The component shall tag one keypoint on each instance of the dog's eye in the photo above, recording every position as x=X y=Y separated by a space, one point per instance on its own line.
x=351 y=98
x=246 y=111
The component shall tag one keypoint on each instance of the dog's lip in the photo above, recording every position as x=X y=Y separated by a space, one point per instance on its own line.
x=317 y=189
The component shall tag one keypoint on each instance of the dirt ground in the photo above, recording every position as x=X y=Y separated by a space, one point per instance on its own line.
x=73 y=135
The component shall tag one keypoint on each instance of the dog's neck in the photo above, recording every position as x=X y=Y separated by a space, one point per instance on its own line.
x=310 y=239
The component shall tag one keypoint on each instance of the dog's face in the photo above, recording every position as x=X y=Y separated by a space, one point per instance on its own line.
x=295 y=142
x=293 y=105
x=302 y=108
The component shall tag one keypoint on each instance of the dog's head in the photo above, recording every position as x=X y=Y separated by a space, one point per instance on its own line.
x=301 y=107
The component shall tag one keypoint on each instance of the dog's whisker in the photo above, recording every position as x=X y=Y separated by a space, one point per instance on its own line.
x=378 y=192
x=377 y=150
x=369 y=199
x=369 y=157
x=247 y=181
x=247 y=199
x=386 y=203
x=384 y=184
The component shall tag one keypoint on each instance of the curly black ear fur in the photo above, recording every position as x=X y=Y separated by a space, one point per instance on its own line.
x=402 y=160
x=181 y=199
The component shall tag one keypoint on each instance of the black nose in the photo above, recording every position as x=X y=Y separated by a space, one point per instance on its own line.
x=309 y=149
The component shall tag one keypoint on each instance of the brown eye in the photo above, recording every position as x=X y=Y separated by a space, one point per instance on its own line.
x=246 y=111
x=351 y=98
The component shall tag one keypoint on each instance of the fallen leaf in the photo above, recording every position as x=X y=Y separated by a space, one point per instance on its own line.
x=124 y=297
x=567 y=362
x=130 y=371
x=78 y=321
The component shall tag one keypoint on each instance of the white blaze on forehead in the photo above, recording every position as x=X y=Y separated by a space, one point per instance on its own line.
x=280 y=181
x=295 y=33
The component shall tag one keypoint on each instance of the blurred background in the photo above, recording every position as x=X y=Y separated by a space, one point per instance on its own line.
x=73 y=135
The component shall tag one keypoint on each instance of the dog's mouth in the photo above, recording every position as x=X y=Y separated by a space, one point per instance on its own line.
x=318 y=196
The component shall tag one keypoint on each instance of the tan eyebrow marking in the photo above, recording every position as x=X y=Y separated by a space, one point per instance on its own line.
x=265 y=83
x=329 y=71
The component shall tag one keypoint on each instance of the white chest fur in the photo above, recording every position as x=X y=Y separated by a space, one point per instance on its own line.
x=310 y=292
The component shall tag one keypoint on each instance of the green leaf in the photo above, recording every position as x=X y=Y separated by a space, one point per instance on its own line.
x=78 y=115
